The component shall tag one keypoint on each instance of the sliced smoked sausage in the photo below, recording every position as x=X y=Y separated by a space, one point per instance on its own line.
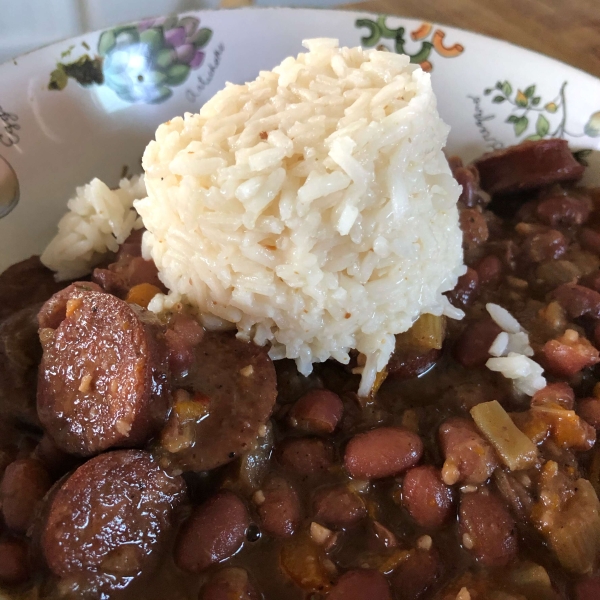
x=54 y=310
x=103 y=378
x=111 y=515
x=236 y=382
x=526 y=166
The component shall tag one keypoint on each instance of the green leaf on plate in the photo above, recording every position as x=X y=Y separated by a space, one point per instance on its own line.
x=488 y=91
x=542 y=126
x=507 y=88
x=521 y=125
x=532 y=138
x=498 y=99
x=530 y=91
x=512 y=119
x=535 y=101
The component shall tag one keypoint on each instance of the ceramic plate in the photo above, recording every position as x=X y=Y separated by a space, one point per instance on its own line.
x=86 y=107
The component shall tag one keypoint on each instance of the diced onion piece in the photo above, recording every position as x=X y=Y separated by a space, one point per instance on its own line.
x=428 y=332
x=516 y=450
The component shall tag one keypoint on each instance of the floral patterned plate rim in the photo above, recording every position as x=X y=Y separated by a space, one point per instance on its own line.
x=87 y=106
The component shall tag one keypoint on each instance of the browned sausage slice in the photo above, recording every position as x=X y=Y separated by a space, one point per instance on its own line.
x=236 y=381
x=103 y=376
x=528 y=166
x=215 y=531
x=54 y=310
x=111 y=516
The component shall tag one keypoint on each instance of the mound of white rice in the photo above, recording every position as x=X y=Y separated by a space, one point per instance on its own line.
x=312 y=207
x=99 y=219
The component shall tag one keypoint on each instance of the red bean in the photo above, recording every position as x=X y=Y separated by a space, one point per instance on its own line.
x=360 y=585
x=472 y=347
x=306 y=456
x=489 y=269
x=409 y=362
x=469 y=458
x=568 y=354
x=578 y=300
x=466 y=289
x=560 y=393
x=564 y=210
x=279 y=511
x=24 y=484
x=318 y=411
x=215 y=531
x=548 y=245
x=426 y=497
x=182 y=336
x=229 y=584
x=14 y=565
x=488 y=531
x=381 y=537
x=590 y=239
x=588 y=589
x=474 y=228
x=589 y=410
x=338 y=507
x=382 y=452
x=417 y=574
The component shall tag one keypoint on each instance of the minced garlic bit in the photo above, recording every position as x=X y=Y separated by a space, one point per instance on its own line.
x=467 y=541
x=424 y=542
x=86 y=384
x=319 y=534
x=468 y=489
x=464 y=594
x=450 y=473
x=259 y=497
x=247 y=371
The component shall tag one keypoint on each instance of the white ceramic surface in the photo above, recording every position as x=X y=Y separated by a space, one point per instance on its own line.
x=492 y=94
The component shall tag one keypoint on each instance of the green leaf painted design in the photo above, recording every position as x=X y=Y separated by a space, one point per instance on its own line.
x=106 y=42
x=165 y=58
x=530 y=91
x=507 y=88
x=201 y=37
x=177 y=74
x=533 y=138
x=535 y=101
x=153 y=38
x=542 y=126
x=488 y=91
x=498 y=99
x=521 y=125
x=512 y=119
